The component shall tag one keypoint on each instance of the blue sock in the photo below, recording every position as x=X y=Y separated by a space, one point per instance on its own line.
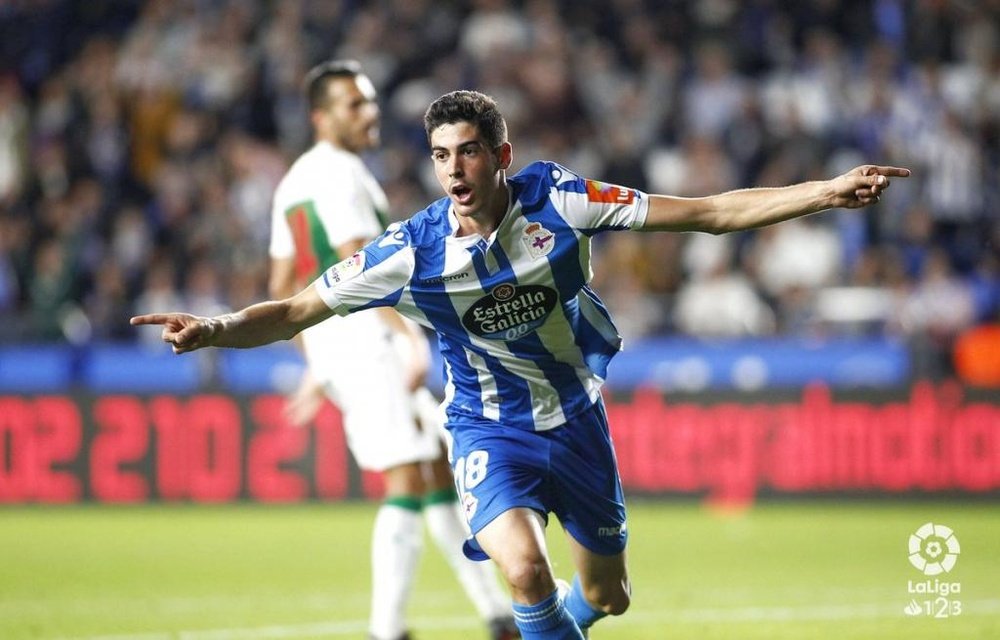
x=578 y=607
x=547 y=620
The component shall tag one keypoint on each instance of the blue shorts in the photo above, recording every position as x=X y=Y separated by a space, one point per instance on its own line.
x=570 y=471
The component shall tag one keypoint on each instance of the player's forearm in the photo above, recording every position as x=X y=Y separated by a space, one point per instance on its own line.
x=268 y=322
x=257 y=325
x=737 y=210
x=750 y=208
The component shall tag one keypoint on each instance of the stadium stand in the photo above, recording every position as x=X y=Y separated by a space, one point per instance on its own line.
x=140 y=143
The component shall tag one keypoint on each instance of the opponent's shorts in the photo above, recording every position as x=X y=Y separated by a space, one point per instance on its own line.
x=380 y=414
x=570 y=471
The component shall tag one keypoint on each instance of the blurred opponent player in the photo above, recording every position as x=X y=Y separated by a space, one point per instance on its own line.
x=499 y=268
x=371 y=365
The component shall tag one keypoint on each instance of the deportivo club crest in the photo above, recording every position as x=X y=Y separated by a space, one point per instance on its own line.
x=538 y=240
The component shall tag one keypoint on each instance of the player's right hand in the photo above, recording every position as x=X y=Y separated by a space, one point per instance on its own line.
x=183 y=331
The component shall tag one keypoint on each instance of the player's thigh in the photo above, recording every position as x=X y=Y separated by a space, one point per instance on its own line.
x=514 y=535
x=405 y=479
x=438 y=473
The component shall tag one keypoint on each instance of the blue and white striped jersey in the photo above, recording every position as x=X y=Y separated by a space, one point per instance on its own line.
x=525 y=341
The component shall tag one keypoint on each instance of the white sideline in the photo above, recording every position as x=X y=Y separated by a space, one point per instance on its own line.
x=720 y=615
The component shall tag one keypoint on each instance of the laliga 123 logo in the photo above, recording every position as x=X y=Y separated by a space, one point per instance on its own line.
x=934 y=549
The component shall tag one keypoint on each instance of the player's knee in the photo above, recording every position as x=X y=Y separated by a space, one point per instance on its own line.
x=404 y=480
x=613 y=598
x=529 y=577
x=618 y=603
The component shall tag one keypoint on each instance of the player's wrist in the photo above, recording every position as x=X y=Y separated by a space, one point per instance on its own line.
x=828 y=194
x=214 y=327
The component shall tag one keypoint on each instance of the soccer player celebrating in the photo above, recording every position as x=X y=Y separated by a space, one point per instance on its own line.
x=499 y=269
x=329 y=205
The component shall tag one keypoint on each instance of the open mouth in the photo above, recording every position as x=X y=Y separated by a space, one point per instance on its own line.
x=461 y=193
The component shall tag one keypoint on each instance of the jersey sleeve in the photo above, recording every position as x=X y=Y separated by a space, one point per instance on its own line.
x=593 y=206
x=375 y=276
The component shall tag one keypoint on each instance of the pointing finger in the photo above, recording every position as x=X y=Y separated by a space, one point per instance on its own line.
x=897 y=172
x=151 y=318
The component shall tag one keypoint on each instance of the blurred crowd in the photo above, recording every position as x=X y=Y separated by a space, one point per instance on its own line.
x=140 y=143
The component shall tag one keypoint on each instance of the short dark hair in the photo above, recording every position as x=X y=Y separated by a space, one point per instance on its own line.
x=319 y=77
x=473 y=107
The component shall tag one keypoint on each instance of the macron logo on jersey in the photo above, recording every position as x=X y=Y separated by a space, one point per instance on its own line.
x=442 y=279
x=610 y=193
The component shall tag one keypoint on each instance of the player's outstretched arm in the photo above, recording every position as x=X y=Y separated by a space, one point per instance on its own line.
x=750 y=208
x=256 y=325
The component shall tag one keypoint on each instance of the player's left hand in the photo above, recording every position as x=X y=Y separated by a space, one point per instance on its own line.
x=862 y=186
x=305 y=402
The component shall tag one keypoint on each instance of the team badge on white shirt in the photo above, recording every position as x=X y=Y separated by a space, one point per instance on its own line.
x=538 y=240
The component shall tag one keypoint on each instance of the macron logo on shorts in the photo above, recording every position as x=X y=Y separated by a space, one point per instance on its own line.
x=611 y=532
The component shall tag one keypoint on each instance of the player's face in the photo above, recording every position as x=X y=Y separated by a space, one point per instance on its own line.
x=351 y=117
x=469 y=171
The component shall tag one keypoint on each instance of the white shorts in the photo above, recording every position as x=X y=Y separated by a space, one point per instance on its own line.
x=380 y=414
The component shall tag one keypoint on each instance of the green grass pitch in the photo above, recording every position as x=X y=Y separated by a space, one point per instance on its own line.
x=790 y=569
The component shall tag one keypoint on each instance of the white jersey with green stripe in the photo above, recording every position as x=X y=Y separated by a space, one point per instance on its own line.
x=327 y=198
x=525 y=340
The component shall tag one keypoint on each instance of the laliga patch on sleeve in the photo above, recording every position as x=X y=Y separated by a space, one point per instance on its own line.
x=345 y=269
x=610 y=193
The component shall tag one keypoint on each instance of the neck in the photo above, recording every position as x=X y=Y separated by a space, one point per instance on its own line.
x=485 y=221
x=336 y=143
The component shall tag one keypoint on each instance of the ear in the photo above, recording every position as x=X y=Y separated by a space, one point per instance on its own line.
x=505 y=155
x=318 y=119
